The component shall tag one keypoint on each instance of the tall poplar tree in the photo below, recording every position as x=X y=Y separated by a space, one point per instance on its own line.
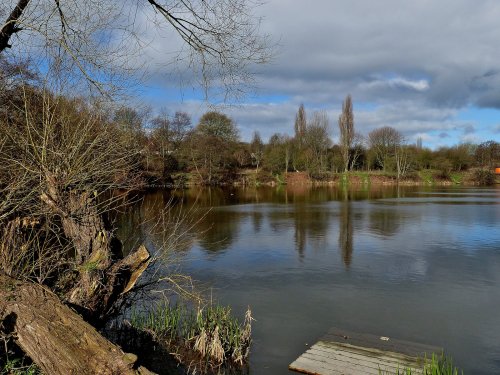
x=300 y=125
x=346 y=127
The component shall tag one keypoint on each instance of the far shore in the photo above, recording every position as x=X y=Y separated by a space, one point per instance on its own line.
x=249 y=177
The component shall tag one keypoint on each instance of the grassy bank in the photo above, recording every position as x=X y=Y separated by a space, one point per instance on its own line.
x=202 y=339
x=425 y=177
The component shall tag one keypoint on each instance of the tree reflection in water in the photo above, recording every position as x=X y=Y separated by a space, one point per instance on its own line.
x=346 y=232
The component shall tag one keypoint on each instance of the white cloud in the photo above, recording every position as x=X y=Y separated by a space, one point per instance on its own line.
x=470 y=138
x=399 y=82
x=410 y=65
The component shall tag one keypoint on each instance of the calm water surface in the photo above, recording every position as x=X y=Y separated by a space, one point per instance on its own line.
x=419 y=264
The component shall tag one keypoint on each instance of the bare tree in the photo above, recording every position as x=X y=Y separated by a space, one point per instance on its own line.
x=130 y=123
x=357 y=149
x=100 y=40
x=384 y=143
x=242 y=156
x=487 y=154
x=316 y=142
x=59 y=164
x=257 y=149
x=403 y=159
x=162 y=133
x=180 y=125
x=346 y=127
x=168 y=132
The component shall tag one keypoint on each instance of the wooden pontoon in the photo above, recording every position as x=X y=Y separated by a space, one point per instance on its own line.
x=341 y=352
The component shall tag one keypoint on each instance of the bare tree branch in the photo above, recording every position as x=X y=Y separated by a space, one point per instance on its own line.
x=10 y=27
x=103 y=42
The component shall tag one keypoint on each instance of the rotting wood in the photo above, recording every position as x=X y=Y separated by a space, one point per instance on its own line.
x=58 y=340
x=348 y=353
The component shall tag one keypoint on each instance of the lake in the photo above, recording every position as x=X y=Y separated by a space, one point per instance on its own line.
x=416 y=263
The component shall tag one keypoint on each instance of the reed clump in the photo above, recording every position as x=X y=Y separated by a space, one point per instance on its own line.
x=437 y=365
x=441 y=366
x=203 y=339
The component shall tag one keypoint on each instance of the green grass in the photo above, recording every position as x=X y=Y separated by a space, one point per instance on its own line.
x=210 y=334
x=457 y=178
x=280 y=179
x=17 y=366
x=363 y=176
x=427 y=176
x=435 y=366
x=344 y=178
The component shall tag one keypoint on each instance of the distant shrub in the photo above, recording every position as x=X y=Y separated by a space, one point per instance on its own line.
x=170 y=164
x=320 y=176
x=484 y=177
x=442 y=174
x=444 y=168
x=411 y=176
x=265 y=177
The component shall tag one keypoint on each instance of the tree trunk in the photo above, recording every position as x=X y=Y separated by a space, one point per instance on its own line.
x=100 y=279
x=57 y=339
x=99 y=296
x=10 y=26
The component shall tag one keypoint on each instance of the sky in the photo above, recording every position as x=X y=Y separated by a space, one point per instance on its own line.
x=430 y=69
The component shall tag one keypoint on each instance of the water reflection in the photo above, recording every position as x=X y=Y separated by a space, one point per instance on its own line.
x=384 y=221
x=218 y=229
x=346 y=232
x=312 y=213
x=423 y=264
x=257 y=219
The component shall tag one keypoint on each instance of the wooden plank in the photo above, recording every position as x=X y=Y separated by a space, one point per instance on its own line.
x=348 y=361
x=373 y=341
x=373 y=361
x=369 y=352
x=349 y=353
x=343 y=367
x=312 y=367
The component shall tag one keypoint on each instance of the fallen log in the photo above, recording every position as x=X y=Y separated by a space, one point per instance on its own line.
x=55 y=337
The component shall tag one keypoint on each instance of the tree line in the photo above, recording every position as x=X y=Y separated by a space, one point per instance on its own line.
x=212 y=152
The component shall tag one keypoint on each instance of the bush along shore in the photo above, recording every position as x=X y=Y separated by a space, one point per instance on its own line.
x=427 y=177
x=205 y=339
